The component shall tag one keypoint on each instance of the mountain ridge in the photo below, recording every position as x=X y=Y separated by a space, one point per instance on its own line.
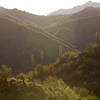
x=75 y=9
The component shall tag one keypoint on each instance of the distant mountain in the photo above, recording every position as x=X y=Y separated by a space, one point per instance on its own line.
x=76 y=9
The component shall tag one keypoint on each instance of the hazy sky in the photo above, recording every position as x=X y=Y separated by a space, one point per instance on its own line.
x=42 y=7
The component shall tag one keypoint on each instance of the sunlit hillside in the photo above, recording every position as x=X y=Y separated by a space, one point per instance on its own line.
x=53 y=57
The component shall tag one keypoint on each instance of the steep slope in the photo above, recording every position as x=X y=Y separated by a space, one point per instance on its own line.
x=76 y=9
x=81 y=68
x=80 y=28
x=68 y=28
x=13 y=39
x=18 y=44
x=27 y=37
x=19 y=16
x=26 y=18
x=77 y=69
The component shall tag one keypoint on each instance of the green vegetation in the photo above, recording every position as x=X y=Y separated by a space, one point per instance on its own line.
x=74 y=76
x=80 y=69
x=12 y=88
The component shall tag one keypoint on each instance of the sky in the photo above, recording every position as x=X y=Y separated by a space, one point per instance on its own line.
x=42 y=7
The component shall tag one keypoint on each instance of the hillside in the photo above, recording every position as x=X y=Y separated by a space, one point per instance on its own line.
x=26 y=38
x=18 y=43
x=81 y=69
x=25 y=87
x=50 y=57
x=31 y=34
x=79 y=28
x=77 y=69
x=26 y=18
